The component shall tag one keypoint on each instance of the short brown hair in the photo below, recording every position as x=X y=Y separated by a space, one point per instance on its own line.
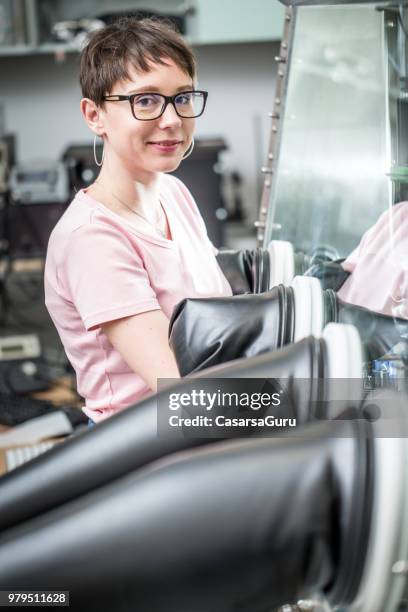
x=130 y=42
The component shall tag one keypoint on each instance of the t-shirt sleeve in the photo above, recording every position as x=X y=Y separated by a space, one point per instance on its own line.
x=105 y=276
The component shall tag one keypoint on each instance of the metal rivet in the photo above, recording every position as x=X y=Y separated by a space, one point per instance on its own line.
x=270 y=155
x=274 y=128
x=281 y=73
x=267 y=183
x=284 y=45
x=263 y=210
x=266 y=170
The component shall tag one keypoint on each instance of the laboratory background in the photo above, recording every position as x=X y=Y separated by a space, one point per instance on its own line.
x=47 y=149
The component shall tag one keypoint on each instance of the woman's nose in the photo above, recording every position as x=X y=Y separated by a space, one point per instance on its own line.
x=170 y=117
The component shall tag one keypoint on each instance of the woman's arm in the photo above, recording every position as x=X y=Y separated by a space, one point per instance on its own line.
x=142 y=340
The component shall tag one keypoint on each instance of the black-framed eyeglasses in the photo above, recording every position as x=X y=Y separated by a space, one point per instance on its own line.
x=148 y=106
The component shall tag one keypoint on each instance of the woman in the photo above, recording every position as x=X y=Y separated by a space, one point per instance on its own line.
x=133 y=244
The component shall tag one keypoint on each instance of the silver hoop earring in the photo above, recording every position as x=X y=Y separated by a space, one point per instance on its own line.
x=189 y=152
x=99 y=164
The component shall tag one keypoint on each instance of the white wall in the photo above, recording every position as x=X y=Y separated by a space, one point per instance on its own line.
x=41 y=99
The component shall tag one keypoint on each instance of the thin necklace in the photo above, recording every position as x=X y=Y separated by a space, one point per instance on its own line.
x=135 y=212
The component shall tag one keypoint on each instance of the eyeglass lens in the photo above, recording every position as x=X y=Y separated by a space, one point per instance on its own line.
x=149 y=106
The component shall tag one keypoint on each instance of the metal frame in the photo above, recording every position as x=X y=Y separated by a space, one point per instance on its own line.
x=283 y=60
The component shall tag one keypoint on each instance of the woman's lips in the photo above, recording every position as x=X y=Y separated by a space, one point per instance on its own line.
x=166 y=146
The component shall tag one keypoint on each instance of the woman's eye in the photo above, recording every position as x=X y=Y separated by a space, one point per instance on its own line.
x=147 y=101
x=184 y=99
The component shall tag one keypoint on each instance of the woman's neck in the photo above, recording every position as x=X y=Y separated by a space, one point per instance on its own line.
x=141 y=193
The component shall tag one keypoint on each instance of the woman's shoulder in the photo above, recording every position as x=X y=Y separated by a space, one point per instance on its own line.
x=171 y=183
x=73 y=217
x=86 y=214
x=170 y=180
x=82 y=221
x=173 y=188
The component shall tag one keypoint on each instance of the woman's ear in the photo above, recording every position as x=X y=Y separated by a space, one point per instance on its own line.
x=92 y=115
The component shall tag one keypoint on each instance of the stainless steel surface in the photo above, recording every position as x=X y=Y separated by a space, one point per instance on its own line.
x=400 y=568
x=306 y=605
x=381 y=589
x=330 y=182
x=331 y=2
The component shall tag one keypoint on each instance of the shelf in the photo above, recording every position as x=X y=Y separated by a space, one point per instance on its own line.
x=49 y=48
x=212 y=23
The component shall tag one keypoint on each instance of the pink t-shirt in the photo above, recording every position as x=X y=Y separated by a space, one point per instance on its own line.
x=379 y=266
x=100 y=267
